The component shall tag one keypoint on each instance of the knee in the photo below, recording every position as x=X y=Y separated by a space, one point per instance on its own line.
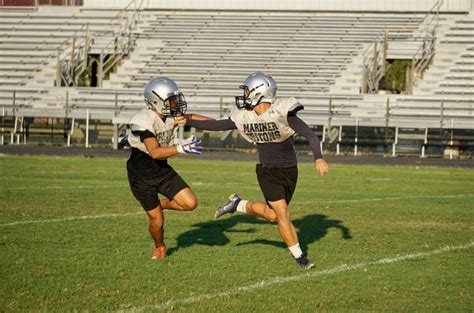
x=282 y=216
x=190 y=204
x=272 y=218
x=156 y=222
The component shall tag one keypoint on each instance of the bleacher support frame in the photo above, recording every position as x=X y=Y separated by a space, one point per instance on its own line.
x=72 y=66
x=375 y=56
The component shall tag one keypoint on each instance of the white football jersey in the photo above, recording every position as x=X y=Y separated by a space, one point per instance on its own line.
x=271 y=126
x=164 y=131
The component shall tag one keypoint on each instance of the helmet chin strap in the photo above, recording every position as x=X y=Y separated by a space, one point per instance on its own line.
x=263 y=99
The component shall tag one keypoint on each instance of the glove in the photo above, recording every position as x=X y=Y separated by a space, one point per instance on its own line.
x=190 y=145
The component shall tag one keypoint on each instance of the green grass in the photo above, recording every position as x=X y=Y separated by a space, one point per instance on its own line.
x=355 y=215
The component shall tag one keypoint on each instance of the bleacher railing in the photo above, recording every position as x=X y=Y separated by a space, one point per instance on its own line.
x=375 y=55
x=424 y=55
x=74 y=62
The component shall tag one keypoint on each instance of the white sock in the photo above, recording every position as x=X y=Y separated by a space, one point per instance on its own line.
x=296 y=251
x=241 y=207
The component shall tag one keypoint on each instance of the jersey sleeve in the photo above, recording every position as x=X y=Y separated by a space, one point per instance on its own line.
x=288 y=107
x=141 y=122
x=142 y=133
x=293 y=107
x=215 y=125
x=303 y=129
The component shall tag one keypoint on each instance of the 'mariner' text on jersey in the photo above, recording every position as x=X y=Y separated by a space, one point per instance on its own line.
x=262 y=131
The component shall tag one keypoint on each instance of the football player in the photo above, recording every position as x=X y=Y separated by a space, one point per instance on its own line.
x=152 y=139
x=269 y=123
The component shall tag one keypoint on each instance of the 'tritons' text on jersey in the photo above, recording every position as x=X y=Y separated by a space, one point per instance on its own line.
x=262 y=132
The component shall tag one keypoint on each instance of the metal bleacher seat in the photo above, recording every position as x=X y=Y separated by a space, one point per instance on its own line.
x=31 y=40
x=210 y=53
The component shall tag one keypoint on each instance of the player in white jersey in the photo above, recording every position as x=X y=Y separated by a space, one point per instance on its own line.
x=152 y=139
x=270 y=124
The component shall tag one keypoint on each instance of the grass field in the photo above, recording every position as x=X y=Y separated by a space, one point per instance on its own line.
x=73 y=238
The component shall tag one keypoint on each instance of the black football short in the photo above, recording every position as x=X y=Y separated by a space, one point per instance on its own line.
x=277 y=183
x=146 y=189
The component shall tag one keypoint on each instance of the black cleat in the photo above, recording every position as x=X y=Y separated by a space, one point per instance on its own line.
x=304 y=262
x=229 y=207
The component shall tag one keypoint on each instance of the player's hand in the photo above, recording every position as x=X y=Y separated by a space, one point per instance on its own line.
x=180 y=120
x=190 y=145
x=322 y=166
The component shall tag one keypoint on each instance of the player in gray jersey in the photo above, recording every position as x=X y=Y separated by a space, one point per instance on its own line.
x=152 y=136
x=269 y=123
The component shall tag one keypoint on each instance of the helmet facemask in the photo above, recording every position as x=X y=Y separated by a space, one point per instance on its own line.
x=249 y=100
x=175 y=105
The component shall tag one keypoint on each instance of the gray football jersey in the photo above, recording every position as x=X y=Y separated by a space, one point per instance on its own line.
x=271 y=126
x=165 y=132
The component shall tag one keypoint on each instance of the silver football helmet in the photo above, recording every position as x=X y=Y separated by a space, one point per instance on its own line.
x=257 y=87
x=164 y=96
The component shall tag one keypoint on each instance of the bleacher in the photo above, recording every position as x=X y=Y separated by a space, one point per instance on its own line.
x=210 y=54
x=314 y=56
x=29 y=41
x=213 y=52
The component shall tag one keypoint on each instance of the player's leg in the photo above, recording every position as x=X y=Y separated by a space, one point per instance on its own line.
x=278 y=186
x=184 y=200
x=156 y=229
x=255 y=208
x=288 y=233
x=260 y=209
x=146 y=192
x=180 y=196
x=285 y=226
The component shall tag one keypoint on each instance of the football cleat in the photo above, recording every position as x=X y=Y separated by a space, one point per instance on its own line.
x=304 y=262
x=159 y=253
x=229 y=207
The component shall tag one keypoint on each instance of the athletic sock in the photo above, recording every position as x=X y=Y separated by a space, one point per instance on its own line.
x=296 y=251
x=241 y=207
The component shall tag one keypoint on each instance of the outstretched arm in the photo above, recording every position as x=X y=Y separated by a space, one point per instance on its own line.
x=303 y=129
x=215 y=125
x=183 y=119
x=197 y=117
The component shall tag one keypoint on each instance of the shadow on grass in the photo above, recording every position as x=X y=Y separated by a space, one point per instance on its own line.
x=310 y=228
x=212 y=233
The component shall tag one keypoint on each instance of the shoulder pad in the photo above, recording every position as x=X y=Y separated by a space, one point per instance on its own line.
x=234 y=113
x=134 y=128
x=143 y=120
x=288 y=106
x=294 y=108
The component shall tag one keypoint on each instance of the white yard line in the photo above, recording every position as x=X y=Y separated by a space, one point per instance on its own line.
x=67 y=219
x=303 y=276
x=66 y=187
x=73 y=218
x=193 y=184
x=466 y=195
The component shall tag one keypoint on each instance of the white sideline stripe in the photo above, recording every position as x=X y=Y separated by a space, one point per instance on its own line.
x=66 y=219
x=124 y=185
x=73 y=218
x=307 y=275
x=66 y=187
x=467 y=195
